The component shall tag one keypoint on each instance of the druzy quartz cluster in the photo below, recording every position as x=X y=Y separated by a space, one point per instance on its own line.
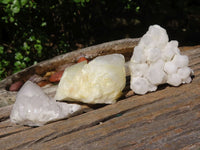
x=156 y=60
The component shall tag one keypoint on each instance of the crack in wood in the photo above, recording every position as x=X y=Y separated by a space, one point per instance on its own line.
x=22 y=146
x=11 y=133
x=54 y=136
x=40 y=140
x=193 y=65
x=6 y=127
x=118 y=131
x=4 y=118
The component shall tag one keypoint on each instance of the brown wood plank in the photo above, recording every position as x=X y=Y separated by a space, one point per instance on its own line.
x=166 y=119
x=155 y=122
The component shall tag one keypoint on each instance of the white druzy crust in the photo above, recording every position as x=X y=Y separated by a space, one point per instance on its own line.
x=33 y=108
x=142 y=85
x=156 y=61
x=100 y=81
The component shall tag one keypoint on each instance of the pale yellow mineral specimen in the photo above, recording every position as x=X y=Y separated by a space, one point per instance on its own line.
x=100 y=81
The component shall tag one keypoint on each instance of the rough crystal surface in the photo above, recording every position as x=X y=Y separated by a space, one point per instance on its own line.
x=32 y=107
x=156 y=61
x=100 y=81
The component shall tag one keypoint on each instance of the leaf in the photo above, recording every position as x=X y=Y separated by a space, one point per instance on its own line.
x=77 y=1
x=35 y=62
x=23 y=65
x=1 y=72
x=5 y=1
x=1 y=49
x=12 y=19
x=18 y=56
x=32 y=38
x=38 y=47
x=6 y=63
x=17 y=63
x=16 y=70
x=26 y=46
x=27 y=59
x=23 y=2
x=43 y=24
x=38 y=41
x=15 y=7
x=137 y=9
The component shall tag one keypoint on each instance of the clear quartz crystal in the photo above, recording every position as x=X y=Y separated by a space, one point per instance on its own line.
x=33 y=108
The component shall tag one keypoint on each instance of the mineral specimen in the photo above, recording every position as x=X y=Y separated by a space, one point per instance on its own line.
x=100 y=81
x=34 y=108
x=156 y=61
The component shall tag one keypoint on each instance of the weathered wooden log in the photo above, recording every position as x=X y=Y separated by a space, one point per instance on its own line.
x=166 y=119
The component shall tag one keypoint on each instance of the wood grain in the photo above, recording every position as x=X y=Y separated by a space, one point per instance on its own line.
x=166 y=119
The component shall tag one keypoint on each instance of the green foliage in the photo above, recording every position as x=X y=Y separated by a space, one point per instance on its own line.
x=1 y=49
x=35 y=30
x=12 y=7
x=3 y=63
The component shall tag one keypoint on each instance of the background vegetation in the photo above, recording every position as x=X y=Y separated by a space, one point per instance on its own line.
x=35 y=30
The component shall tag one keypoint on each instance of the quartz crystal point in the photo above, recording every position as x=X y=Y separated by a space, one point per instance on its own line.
x=156 y=61
x=100 y=81
x=33 y=108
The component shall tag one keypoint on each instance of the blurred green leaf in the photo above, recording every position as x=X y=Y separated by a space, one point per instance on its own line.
x=23 y=65
x=26 y=46
x=5 y=1
x=35 y=62
x=20 y=65
x=43 y=24
x=6 y=63
x=32 y=38
x=137 y=9
x=38 y=47
x=1 y=49
x=17 y=63
x=1 y=72
x=23 y=2
x=77 y=1
x=38 y=41
x=12 y=19
x=18 y=56
x=15 y=7
x=27 y=59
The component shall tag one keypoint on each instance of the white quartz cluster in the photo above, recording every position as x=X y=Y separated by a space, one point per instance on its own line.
x=100 y=81
x=157 y=61
x=34 y=108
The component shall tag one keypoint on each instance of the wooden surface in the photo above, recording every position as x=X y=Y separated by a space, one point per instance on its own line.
x=166 y=119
